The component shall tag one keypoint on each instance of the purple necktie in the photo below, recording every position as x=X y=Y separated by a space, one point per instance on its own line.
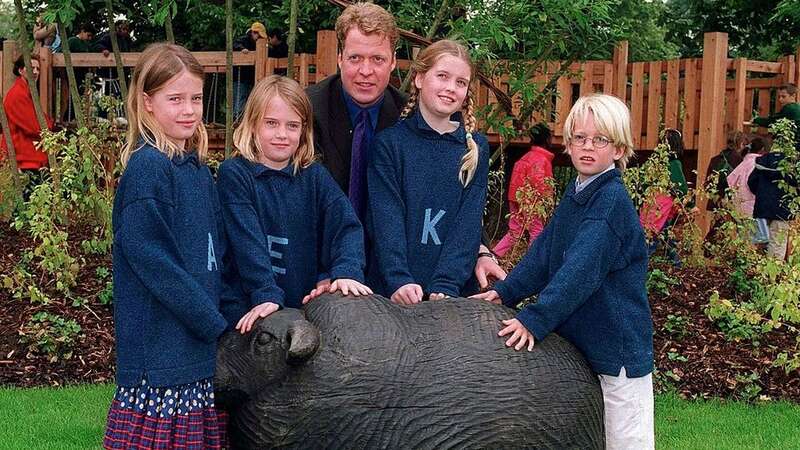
x=357 y=191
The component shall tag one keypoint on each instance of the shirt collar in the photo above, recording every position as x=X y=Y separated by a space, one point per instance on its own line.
x=353 y=109
x=183 y=158
x=418 y=123
x=258 y=169
x=581 y=185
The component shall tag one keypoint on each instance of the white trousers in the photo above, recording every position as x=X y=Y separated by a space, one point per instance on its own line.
x=778 y=239
x=629 y=411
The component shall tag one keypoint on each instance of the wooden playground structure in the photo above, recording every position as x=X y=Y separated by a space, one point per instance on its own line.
x=702 y=97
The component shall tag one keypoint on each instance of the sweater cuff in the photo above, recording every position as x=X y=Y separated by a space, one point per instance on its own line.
x=353 y=273
x=504 y=291
x=449 y=289
x=397 y=282
x=531 y=321
x=272 y=294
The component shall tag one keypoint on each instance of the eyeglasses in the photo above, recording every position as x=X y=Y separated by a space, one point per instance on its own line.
x=597 y=141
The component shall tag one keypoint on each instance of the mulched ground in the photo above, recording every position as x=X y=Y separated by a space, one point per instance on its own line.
x=702 y=363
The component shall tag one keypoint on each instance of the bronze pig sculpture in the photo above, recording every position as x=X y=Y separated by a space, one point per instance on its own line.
x=364 y=373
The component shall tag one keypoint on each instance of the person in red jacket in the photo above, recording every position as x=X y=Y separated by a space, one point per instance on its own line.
x=533 y=169
x=24 y=127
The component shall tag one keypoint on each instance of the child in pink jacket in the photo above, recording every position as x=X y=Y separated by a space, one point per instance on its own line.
x=534 y=168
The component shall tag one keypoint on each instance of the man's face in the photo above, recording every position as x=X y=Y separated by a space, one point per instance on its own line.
x=366 y=62
x=123 y=30
x=34 y=66
x=85 y=36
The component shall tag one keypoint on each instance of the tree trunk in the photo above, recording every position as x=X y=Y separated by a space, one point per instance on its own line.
x=228 y=77
x=292 y=37
x=73 y=83
x=168 y=27
x=112 y=32
x=12 y=154
x=429 y=35
x=34 y=89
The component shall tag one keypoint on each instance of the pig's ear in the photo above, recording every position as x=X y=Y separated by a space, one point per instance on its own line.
x=303 y=339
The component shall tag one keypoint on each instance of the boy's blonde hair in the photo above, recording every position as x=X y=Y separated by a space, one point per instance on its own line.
x=245 y=137
x=157 y=65
x=611 y=118
x=426 y=59
x=369 y=18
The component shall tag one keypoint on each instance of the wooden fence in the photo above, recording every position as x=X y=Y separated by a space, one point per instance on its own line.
x=703 y=97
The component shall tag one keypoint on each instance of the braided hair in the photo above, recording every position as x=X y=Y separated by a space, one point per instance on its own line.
x=423 y=63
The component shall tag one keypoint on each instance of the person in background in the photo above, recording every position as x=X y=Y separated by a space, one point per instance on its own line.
x=744 y=200
x=277 y=44
x=771 y=203
x=46 y=35
x=532 y=170
x=24 y=127
x=123 y=39
x=790 y=109
x=82 y=42
x=245 y=76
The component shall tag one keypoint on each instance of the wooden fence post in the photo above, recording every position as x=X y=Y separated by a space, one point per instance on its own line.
x=671 y=98
x=261 y=59
x=326 y=54
x=653 y=104
x=712 y=109
x=740 y=106
x=797 y=67
x=637 y=103
x=46 y=80
x=620 y=62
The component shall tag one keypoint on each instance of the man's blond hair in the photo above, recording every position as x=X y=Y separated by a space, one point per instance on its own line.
x=369 y=18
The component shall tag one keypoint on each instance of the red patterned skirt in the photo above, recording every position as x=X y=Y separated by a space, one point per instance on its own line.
x=176 y=417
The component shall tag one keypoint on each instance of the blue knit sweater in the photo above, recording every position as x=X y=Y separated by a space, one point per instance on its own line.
x=772 y=202
x=286 y=232
x=425 y=226
x=167 y=260
x=589 y=267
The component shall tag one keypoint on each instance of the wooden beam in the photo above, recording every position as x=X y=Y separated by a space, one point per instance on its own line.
x=637 y=103
x=671 y=98
x=46 y=80
x=764 y=66
x=740 y=107
x=620 y=68
x=260 y=61
x=712 y=108
x=326 y=54
x=608 y=79
x=690 y=102
x=586 y=78
x=653 y=103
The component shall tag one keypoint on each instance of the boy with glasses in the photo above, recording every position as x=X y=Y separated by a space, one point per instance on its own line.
x=588 y=269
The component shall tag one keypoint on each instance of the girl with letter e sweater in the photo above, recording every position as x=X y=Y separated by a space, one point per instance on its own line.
x=427 y=185
x=588 y=269
x=293 y=233
x=167 y=262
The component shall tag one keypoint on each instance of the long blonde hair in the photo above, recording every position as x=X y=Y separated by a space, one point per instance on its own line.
x=158 y=64
x=611 y=118
x=426 y=59
x=245 y=137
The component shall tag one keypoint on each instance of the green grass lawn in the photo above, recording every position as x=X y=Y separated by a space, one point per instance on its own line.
x=74 y=417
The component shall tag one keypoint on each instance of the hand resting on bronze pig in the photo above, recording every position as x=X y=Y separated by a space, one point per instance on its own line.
x=364 y=373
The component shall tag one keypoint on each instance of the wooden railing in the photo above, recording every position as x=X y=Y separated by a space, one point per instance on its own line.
x=703 y=97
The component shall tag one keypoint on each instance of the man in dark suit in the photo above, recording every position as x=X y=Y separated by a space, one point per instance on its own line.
x=353 y=105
